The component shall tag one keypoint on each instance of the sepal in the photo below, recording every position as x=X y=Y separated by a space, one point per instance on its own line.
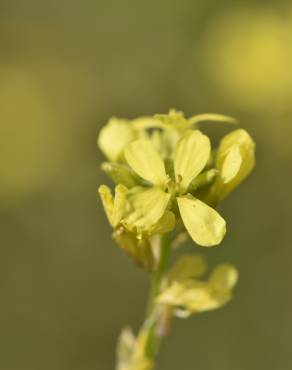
x=138 y=249
x=115 y=207
x=121 y=174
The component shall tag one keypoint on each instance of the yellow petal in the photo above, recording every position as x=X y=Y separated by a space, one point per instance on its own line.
x=165 y=224
x=149 y=206
x=193 y=296
x=242 y=140
x=188 y=266
x=224 y=277
x=231 y=164
x=146 y=162
x=114 y=137
x=205 y=226
x=190 y=296
x=191 y=155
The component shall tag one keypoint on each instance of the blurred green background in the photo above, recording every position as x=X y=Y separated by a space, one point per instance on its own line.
x=66 y=67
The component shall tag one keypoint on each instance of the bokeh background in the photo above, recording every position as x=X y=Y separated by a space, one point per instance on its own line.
x=65 y=68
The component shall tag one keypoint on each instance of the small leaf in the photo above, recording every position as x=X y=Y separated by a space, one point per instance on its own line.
x=187 y=267
x=205 y=226
x=146 y=162
x=114 y=137
x=149 y=205
x=191 y=155
x=213 y=117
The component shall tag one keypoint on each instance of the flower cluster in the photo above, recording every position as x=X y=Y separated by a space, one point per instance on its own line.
x=170 y=180
x=168 y=177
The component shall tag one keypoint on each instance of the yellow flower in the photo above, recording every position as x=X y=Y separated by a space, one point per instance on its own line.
x=115 y=208
x=165 y=172
x=150 y=204
x=188 y=296
x=117 y=133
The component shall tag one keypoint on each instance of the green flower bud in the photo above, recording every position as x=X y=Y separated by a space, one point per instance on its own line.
x=235 y=160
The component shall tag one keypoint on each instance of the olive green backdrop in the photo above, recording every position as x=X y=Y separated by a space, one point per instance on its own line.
x=65 y=68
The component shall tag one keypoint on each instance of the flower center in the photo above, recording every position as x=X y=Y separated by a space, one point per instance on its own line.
x=173 y=187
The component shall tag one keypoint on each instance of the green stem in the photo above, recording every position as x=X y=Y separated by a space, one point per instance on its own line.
x=148 y=340
x=156 y=277
x=154 y=340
